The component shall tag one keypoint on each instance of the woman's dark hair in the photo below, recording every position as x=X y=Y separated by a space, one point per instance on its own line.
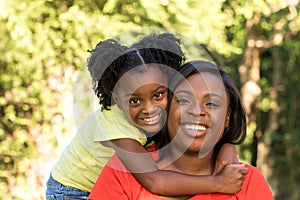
x=109 y=60
x=235 y=133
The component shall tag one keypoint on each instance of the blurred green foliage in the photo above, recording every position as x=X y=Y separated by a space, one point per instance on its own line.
x=44 y=45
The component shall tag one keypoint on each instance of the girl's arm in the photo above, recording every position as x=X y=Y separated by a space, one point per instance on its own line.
x=228 y=154
x=169 y=183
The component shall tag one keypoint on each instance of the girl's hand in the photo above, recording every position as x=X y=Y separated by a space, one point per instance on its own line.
x=227 y=155
x=230 y=179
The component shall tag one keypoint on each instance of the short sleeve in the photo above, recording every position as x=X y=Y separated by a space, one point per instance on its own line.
x=114 y=125
x=255 y=186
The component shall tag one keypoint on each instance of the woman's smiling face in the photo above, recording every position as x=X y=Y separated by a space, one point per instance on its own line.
x=198 y=113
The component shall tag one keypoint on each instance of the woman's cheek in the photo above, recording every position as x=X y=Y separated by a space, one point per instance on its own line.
x=174 y=119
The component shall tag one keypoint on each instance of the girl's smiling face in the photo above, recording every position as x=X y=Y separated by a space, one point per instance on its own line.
x=143 y=97
x=198 y=113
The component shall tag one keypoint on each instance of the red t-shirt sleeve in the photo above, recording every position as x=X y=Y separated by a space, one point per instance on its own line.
x=255 y=186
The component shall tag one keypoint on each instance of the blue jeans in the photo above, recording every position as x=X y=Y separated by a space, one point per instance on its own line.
x=58 y=191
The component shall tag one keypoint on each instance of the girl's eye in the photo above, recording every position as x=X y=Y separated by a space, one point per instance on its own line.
x=134 y=101
x=158 y=95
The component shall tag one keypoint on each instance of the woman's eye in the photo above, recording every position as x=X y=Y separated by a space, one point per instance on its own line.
x=212 y=104
x=183 y=101
x=134 y=101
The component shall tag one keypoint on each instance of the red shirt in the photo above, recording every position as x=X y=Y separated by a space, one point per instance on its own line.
x=115 y=182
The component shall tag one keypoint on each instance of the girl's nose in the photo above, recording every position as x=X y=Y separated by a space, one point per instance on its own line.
x=148 y=107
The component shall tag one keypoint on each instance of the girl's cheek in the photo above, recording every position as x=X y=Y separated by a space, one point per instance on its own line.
x=164 y=102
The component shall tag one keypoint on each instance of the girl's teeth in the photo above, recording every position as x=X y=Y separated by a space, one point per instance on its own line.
x=151 y=119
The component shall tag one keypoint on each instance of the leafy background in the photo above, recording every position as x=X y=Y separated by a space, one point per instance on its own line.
x=43 y=79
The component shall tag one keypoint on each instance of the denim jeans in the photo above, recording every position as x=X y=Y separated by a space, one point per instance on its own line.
x=58 y=191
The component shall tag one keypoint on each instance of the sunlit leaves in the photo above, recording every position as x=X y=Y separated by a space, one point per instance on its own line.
x=43 y=45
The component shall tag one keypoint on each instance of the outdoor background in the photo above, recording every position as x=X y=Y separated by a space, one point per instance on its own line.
x=43 y=48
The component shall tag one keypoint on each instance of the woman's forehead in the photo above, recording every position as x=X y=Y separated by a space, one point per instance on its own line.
x=203 y=80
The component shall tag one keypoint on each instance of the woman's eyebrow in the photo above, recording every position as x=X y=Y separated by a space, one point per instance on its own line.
x=214 y=95
x=183 y=91
x=208 y=95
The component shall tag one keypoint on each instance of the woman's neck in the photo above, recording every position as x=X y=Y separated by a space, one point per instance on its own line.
x=189 y=163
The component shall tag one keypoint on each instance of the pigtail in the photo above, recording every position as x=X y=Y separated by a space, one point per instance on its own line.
x=103 y=65
x=165 y=48
x=164 y=41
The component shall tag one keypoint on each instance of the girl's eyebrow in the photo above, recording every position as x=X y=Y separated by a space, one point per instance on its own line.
x=129 y=95
x=160 y=87
x=134 y=94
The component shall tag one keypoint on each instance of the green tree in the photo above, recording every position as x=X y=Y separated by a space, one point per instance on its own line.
x=268 y=31
x=43 y=45
x=43 y=50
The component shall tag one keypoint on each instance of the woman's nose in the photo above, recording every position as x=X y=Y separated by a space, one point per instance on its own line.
x=198 y=110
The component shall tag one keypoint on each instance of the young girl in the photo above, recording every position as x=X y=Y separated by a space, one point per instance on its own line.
x=205 y=112
x=131 y=84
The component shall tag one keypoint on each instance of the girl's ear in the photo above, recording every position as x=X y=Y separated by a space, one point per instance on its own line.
x=227 y=119
x=115 y=98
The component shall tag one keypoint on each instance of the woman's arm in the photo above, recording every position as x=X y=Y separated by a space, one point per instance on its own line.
x=170 y=183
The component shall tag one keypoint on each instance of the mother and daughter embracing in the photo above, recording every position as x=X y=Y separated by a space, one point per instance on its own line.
x=166 y=129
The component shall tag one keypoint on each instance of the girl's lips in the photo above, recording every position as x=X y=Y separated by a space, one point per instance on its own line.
x=151 y=120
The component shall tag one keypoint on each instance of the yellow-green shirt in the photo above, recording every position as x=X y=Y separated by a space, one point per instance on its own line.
x=84 y=158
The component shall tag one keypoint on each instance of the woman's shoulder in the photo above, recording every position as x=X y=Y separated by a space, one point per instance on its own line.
x=255 y=184
x=252 y=170
x=253 y=175
x=250 y=167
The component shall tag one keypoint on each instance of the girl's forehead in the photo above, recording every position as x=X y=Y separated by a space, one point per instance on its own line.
x=134 y=79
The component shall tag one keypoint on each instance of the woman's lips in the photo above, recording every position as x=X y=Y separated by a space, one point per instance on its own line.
x=195 y=130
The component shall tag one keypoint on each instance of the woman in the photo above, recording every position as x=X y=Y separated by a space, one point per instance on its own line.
x=205 y=112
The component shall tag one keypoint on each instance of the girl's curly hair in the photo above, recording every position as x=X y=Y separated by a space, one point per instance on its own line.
x=109 y=60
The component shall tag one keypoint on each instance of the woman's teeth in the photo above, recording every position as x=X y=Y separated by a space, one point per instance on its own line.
x=192 y=127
